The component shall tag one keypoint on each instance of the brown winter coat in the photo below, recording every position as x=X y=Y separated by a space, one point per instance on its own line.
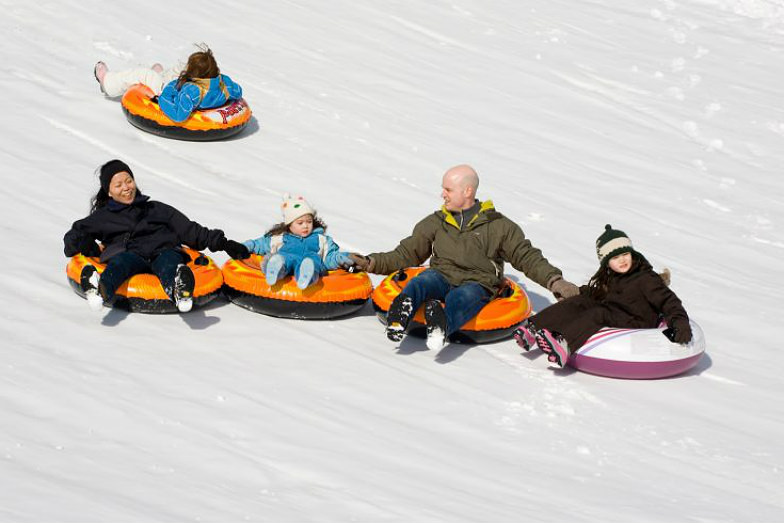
x=635 y=300
x=475 y=253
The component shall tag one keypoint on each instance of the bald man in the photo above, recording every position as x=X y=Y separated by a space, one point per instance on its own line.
x=467 y=242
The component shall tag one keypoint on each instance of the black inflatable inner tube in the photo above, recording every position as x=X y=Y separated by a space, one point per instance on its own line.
x=181 y=133
x=463 y=336
x=148 y=306
x=293 y=309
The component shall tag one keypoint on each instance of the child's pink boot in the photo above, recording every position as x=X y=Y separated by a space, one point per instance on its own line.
x=525 y=337
x=555 y=347
x=100 y=72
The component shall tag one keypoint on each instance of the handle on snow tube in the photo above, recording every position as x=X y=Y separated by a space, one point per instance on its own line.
x=400 y=275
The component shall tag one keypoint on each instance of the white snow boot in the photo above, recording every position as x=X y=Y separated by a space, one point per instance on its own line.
x=274 y=269
x=307 y=274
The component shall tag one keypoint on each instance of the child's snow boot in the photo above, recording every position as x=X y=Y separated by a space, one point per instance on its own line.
x=274 y=269
x=554 y=346
x=525 y=335
x=307 y=273
x=398 y=317
x=89 y=280
x=100 y=72
x=184 y=283
x=435 y=321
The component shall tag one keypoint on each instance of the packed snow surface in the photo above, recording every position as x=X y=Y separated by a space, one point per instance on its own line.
x=664 y=118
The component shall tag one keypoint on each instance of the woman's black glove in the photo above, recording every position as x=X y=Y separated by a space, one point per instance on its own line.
x=88 y=247
x=236 y=250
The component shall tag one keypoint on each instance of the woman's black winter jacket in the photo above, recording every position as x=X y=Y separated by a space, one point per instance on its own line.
x=144 y=227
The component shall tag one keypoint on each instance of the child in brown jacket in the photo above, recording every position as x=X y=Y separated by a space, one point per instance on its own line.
x=625 y=293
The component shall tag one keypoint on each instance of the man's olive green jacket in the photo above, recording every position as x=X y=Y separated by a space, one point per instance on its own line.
x=475 y=253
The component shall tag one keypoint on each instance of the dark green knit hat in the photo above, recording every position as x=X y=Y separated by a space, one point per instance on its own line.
x=612 y=242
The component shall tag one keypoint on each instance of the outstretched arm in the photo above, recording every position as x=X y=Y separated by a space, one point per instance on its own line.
x=260 y=245
x=663 y=299
x=523 y=256
x=411 y=251
x=194 y=235
x=333 y=258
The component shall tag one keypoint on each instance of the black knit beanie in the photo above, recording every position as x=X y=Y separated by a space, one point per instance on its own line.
x=612 y=242
x=109 y=169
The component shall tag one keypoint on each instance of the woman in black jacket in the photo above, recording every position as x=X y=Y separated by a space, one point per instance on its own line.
x=139 y=235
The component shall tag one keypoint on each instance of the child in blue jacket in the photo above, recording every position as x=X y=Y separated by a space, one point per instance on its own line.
x=298 y=246
x=199 y=86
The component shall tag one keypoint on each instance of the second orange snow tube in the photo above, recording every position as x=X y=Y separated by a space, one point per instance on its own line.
x=338 y=293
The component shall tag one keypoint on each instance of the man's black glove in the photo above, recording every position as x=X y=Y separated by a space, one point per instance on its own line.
x=88 y=247
x=236 y=250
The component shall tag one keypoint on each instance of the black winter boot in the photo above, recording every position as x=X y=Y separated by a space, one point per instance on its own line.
x=89 y=281
x=399 y=315
x=435 y=320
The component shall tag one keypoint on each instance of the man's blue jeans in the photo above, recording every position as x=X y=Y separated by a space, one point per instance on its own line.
x=462 y=302
x=126 y=264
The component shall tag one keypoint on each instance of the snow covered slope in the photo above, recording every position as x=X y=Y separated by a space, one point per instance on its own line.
x=663 y=118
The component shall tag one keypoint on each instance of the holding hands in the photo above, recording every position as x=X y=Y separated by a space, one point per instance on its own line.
x=236 y=250
x=361 y=262
x=344 y=261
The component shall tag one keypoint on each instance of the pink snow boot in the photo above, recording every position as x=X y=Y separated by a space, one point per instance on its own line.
x=525 y=336
x=100 y=72
x=554 y=346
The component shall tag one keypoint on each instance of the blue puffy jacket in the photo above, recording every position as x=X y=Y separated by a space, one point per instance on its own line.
x=315 y=244
x=205 y=93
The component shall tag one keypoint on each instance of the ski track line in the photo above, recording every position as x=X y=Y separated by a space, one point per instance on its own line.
x=517 y=361
x=109 y=48
x=438 y=37
x=641 y=114
x=721 y=379
x=686 y=129
x=196 y=165
x=97 y=143
x=763 y=241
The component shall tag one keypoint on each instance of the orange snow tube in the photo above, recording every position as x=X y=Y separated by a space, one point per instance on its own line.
x=337 y=293
x=140 y=106
x=496 y=321
x=144 y=292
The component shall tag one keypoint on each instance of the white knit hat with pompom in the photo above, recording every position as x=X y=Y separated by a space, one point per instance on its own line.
x=294 y=207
